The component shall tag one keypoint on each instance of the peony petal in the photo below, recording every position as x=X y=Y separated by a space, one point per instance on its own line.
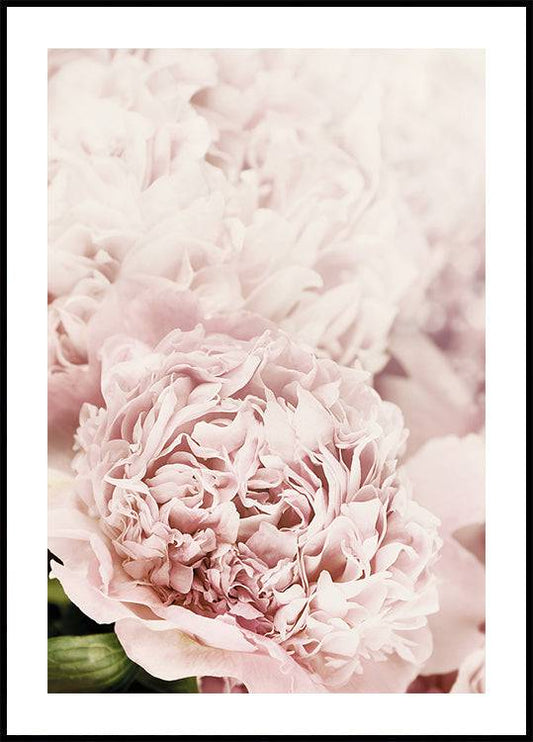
x=87 y=597
x=171 y=655
x=456 y=627
x=145 y=308
x=276 y=296
x=448 y=476
x=431 y=396
x=67 y=391
x=392 y=675
x=312 y=422
x=60 y=488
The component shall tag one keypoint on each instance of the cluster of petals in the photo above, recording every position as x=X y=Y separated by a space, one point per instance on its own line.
x=244 y=494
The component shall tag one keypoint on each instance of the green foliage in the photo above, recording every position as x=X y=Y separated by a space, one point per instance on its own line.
x=87 y=664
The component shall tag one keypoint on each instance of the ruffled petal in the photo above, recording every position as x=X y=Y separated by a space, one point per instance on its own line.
x=393 y=675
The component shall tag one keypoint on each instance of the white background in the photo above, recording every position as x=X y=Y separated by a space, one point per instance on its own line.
x=501 y=31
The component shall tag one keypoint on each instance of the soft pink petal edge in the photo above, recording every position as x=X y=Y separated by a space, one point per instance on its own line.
x=448 y=477
x=456 y=627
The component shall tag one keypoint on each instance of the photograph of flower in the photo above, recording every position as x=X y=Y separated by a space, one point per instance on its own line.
x=266 y=371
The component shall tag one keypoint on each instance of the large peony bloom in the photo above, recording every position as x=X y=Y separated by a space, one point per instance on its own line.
x=237 y=510
x=343 y=252
x=262 y=191
x=334 y=207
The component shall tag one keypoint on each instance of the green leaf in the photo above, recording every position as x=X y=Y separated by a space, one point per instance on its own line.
x=87 y=664
x=186 y=685
x=56 y=594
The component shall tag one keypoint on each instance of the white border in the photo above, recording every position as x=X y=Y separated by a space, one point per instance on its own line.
x=501 y=32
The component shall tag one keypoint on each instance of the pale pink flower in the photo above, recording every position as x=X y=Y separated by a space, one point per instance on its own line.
x=310 y=208
x=112 y=135
x=305 y=126
x=120 y=142
x=390 y=134
x=237 y=509
x=316 y=170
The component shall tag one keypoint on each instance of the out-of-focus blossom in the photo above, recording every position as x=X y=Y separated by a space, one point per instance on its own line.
x=333 y=183
x=306 y=127
x=306 y=206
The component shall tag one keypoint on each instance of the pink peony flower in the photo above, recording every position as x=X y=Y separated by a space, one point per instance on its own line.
x=305 y=126
x=306 y=206
x=237 y=510
x=321 y=168
x=331 y=187
x=114 y=131
x=122 y=134
x=470 y=678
